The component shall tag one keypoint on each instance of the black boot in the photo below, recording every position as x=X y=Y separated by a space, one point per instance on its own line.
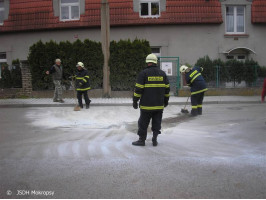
x=199 y=111
x=139 y=143
x=154 y=141
x=81 y=105
x=88 y=105
x=194 y=112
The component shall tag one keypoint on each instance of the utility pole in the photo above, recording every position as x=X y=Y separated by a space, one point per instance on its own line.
x=105 y=34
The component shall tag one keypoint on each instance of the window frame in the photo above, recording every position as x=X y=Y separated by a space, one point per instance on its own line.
x=236 y=57
x=235 y=32
x=3 y=60
x=160 y=51
x=69 y=5
x=149 y=8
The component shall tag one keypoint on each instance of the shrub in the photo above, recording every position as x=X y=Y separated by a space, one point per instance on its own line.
x=262 y=72
x=127 y=59
x=232 y=70
x=5 y=81
x=209 y=69
x=16 y=74
x=42 y=56
x=251 y=70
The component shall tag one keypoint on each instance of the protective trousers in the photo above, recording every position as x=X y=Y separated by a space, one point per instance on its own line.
x=144 y=121
x=58 y=92
x=196 y=103
x=79 y=96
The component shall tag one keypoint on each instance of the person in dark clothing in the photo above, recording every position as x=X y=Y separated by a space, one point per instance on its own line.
x=57 y=73
x=82 y=85
x=197 y=83
x=152 y=89
x=263 y=93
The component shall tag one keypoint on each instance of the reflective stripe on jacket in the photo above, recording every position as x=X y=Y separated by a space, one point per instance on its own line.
x=82 y=80
x=196 y=81
x=152 y=88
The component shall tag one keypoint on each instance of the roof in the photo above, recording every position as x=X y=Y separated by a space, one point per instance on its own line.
x=259 y=11
x=37 y=15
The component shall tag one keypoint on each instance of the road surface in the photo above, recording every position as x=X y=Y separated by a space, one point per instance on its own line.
x=59 y=153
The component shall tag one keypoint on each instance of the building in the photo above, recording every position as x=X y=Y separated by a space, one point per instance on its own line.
x=189 y=29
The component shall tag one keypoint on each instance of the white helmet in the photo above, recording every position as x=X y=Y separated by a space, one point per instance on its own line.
x=183 y=68
x=151 y=58
x=80 y=64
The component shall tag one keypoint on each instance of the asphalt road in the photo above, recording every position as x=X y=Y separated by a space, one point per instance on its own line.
x=58 y=153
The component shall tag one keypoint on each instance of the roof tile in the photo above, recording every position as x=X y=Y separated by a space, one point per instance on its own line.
x=259 y=11
x=36 y=14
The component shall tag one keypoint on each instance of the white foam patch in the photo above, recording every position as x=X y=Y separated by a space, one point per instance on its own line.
x=94 y=118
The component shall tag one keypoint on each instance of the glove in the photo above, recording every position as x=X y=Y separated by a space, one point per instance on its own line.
x=165 y=103
x=135 y=105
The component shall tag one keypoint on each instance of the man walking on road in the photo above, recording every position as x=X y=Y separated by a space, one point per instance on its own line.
x=152 y=89
x=57 y=73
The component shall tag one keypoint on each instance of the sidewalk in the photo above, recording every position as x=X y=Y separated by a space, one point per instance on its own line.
x=45 y=102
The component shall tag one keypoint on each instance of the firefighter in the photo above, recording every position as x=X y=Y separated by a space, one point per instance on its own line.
x=197 y=83
x=57 y=73
x=152 y=89
x=82 y=85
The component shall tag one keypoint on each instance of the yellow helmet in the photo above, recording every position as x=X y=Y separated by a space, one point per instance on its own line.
x=80 y=64
x=151 y=58
x=183 y=68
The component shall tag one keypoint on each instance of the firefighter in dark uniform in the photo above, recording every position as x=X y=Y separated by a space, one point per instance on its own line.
x=82 y=85
x=152 y=88
x=197 y=83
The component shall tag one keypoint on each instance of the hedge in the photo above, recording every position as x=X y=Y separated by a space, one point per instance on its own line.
x=127 y=58
x=42 y=56
x=231 y=71
x=5 y=81
x=16 y=75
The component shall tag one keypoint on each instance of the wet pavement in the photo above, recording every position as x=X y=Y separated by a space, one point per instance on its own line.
x=88 y=154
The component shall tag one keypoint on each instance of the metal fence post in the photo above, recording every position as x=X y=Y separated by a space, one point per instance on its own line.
x=256 y=74
x=217 y=77
x=178 y=77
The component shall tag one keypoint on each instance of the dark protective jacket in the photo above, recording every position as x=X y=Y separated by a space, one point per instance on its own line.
x=57 y=72
x=152 y=88
x=82 y=80
x=195 y=80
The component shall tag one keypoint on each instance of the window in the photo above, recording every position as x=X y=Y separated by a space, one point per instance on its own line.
x=237 y=57
x=69 y=10
x=150 y=9
x=230 y=57
x=156 y=51
x=241 y=57
x=235 y=19
x=2 y=12
x=2 y=60
x=2 y=57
